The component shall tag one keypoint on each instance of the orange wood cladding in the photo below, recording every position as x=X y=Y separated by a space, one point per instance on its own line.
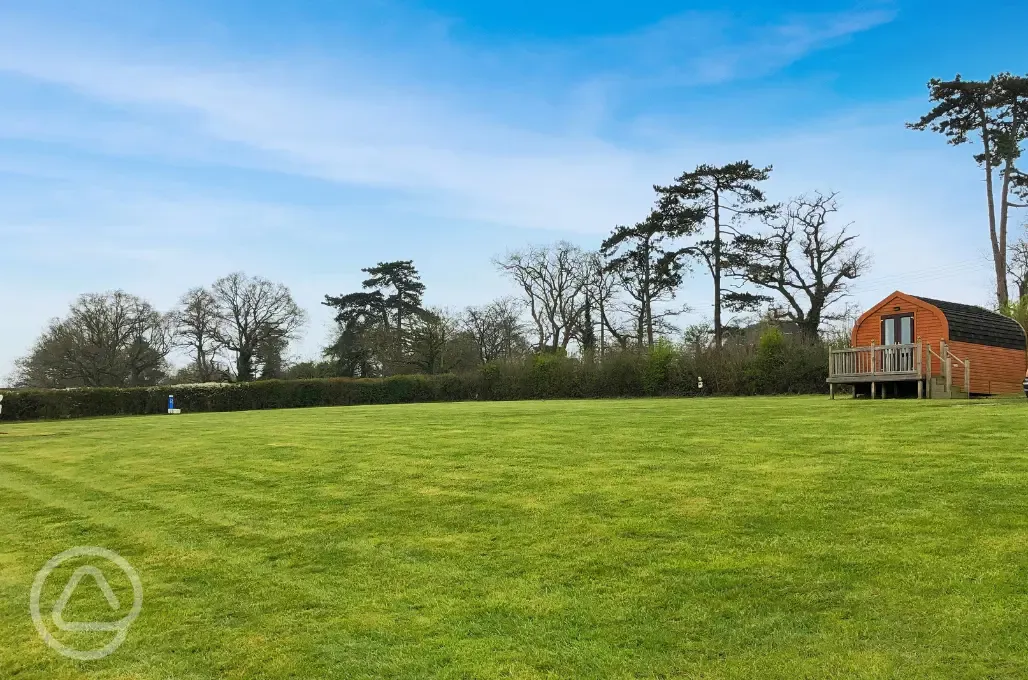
x=994 y=370
x=929 y=323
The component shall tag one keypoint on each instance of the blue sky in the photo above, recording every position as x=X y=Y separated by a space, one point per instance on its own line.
x=154 y=146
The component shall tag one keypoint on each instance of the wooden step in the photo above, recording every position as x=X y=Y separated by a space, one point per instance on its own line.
x=937 y=390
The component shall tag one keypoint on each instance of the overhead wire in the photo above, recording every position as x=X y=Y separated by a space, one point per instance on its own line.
x=917 y=276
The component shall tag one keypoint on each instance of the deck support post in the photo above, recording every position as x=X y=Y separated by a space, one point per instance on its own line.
x=873 y=390
x=920 y=389
x=831 y=391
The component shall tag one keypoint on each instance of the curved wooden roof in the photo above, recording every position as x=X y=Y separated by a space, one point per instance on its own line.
x=978 y=325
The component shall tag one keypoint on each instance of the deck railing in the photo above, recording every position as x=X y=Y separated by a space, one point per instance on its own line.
x=884 y=360
x=899 y=363
x=949 y=359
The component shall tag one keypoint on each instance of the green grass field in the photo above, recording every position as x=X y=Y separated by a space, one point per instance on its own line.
x=721 y=538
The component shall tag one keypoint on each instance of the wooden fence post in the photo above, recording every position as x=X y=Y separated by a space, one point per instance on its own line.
x=947 y=368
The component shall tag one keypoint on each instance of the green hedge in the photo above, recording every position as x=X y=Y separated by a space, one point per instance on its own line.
x=264 y=394
x=775 y=367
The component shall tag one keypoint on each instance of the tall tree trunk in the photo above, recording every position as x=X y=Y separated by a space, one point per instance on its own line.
x=649 y=322
x=399 y=328
x=1008 y=175
x=718 y=330
x=808 y=327
x=647 y=294
x=621 y=340
x=541 y=346
x=244 y=366
x=999 y=244
x=1004 y=215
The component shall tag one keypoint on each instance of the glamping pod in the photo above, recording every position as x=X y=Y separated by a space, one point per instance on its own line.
x=907 y=345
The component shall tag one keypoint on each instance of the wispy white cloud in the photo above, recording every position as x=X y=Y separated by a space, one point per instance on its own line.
x=533 y=153
x=705 y=48
x=309 y=119
x=364 y=137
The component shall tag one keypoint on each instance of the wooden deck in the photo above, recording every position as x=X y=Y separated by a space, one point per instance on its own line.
x=878 y=363
x=913 y=362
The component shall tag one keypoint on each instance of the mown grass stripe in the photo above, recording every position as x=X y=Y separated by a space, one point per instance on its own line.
x=722 y=538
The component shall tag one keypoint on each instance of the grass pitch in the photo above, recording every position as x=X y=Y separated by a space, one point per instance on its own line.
x=716 y=538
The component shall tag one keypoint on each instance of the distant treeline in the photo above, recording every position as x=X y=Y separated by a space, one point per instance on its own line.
x=788 y=262
x=776 y=365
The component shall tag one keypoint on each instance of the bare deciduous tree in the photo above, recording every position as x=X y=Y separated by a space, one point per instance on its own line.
x=436 y=345
x=697 y=338
x=109 y=339
x=809 y=265
x=196 y=329
x=553 y=279
x=602 y=286
x=1019 y=264
x=496 y=329
x=254 y=314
